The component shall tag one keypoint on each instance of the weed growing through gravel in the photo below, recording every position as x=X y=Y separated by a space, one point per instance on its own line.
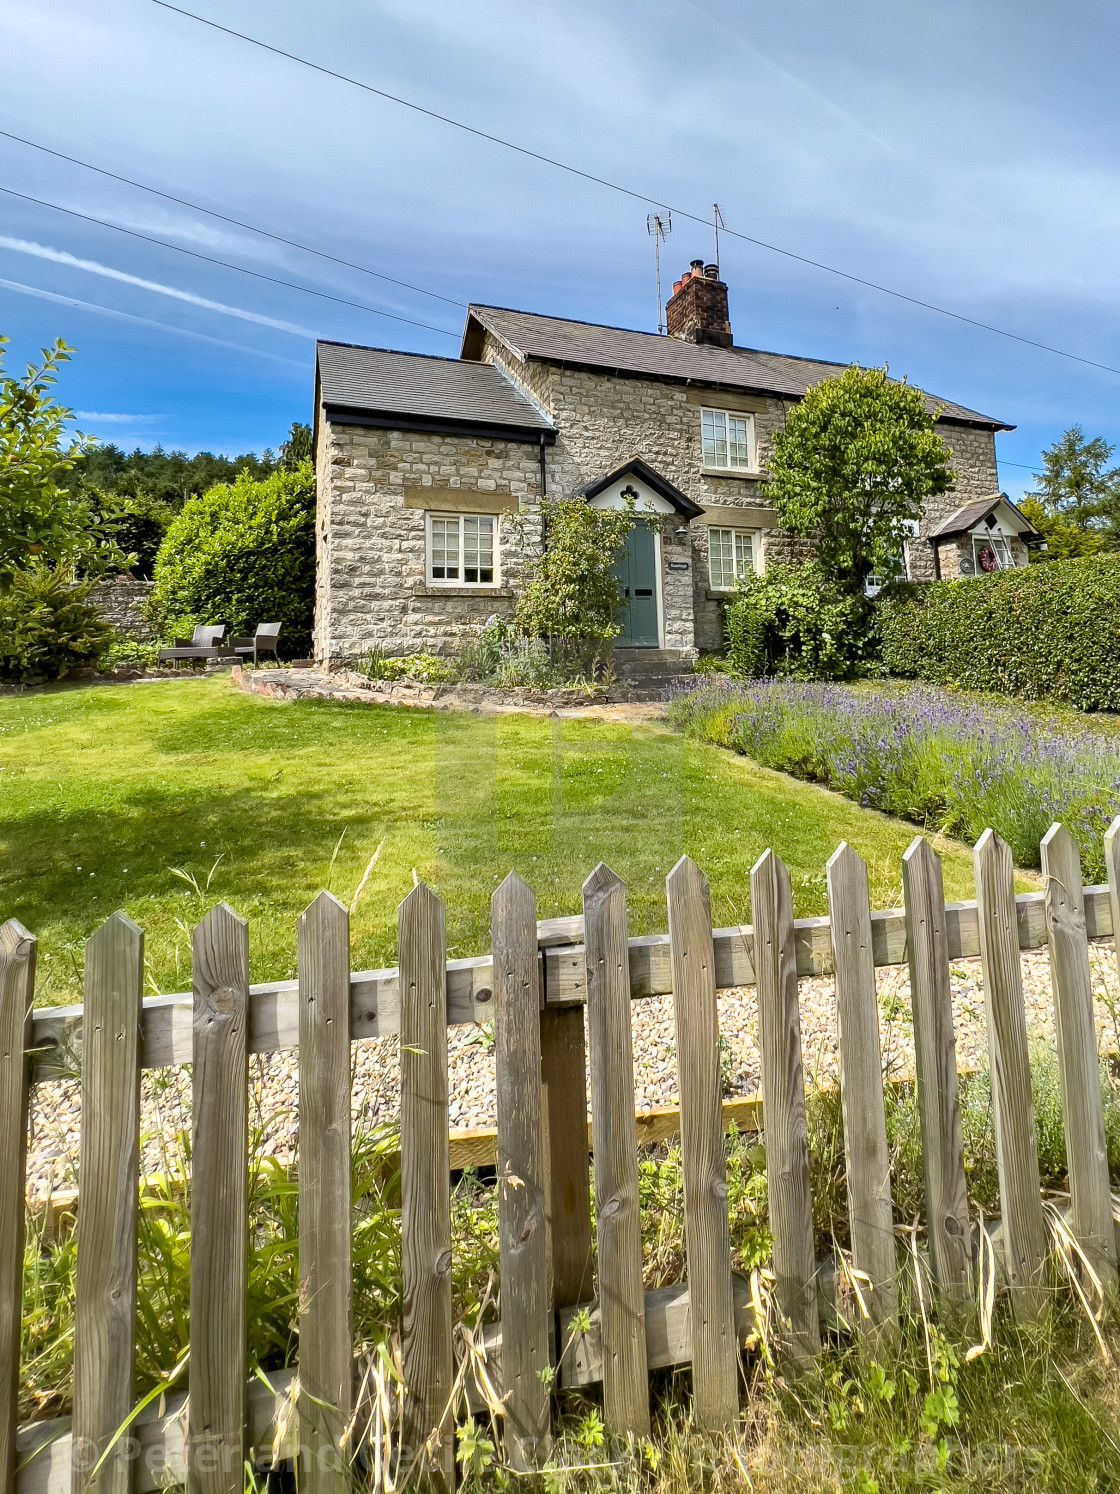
x=950 y=763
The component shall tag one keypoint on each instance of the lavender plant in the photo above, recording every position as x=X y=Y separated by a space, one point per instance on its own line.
x=948 y=763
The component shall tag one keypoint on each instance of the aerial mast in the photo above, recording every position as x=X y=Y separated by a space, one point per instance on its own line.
x=659 y=226
x=717 y=224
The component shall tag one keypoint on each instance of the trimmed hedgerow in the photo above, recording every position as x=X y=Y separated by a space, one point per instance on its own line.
x=242 y=554
x=1043 y=632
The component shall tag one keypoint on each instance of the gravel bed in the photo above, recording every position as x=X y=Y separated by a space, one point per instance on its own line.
x=274 y=1078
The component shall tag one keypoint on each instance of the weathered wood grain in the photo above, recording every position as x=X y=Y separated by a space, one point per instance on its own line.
x=715 y=1360
x=936 y=1072
x=425 y=1186
x=1024 y=1229
x=1112 y=864
x=783 y=1109
x=867 y=1155
x=108 y=1184
x=1090 y=1211
x=17 y=986
x=158 y=1436
x=375 y=994
x=618 y=1223
x=522 y=1239
x=325 y=1355
x=567 y=1177
x=219 y=1205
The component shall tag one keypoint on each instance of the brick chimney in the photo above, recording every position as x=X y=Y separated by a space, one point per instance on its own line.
x=697 y=309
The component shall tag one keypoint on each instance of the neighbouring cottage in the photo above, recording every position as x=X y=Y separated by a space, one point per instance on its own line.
x=431 y=470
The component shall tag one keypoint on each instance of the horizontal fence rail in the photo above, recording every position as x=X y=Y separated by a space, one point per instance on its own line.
x=273 y=1020
x=570 y=1315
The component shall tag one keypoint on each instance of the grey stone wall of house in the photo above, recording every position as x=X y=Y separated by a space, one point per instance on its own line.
x=974 y=468
x=371 y=579
x=120 y=601
x=605 y=419
x=371 y=588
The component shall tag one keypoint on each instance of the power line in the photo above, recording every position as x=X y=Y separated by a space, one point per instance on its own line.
x=223 y=218
x=226 y=265
x=642 y=197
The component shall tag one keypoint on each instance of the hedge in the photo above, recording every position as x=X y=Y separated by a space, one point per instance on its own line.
x=242 y=554
x=1043 y=632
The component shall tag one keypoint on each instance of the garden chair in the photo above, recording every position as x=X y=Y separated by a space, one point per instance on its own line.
x=263 y=641
x=204 y=644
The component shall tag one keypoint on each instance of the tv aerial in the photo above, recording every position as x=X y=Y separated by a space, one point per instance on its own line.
x=659 y=226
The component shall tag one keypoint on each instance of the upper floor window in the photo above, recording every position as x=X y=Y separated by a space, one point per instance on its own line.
x=730 y=557
x=461 y=549
x=727 y=440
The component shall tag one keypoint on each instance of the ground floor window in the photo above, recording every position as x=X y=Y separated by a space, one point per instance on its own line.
x=461 y=549
x=991 y=552
x=731 y=557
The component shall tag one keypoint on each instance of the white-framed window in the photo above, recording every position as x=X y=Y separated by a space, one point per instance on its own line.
x=731 y=557
x=727 y=440
x=462 y=549
x=991 y=552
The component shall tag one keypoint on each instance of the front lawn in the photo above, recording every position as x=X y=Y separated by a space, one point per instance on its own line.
x=106 y=790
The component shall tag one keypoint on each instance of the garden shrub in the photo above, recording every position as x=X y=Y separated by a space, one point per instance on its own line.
x=47 y=626
x=799 y=622
x=243 y=553
x=1048 y=631
x=571 y=595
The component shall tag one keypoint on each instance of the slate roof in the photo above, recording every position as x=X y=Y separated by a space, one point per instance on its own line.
x=554 y=339
x=379 y=382
x=971 y=514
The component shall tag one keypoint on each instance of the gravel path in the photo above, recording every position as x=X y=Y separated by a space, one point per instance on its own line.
x=165 y=1104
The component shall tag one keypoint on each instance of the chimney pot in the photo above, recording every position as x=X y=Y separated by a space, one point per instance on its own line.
x=711 y=272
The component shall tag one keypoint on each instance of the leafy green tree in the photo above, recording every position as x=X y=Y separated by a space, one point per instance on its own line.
x=571 y=593
x=243 y=553
x=1064 y=540
x=857 y=461
x=38 y=516
x=1077 y=484
x=297 y=448
x=798 y=621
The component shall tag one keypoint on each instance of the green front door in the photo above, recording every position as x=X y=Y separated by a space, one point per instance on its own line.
x=636 y=569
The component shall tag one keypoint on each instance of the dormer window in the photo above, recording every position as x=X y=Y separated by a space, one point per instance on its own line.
x=727 y=440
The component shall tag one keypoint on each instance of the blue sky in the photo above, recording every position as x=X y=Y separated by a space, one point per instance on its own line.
x=965 y=154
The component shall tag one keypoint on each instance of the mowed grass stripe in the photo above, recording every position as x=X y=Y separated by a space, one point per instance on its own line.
x=105 y=789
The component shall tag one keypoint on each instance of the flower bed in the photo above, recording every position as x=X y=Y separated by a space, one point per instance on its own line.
x=949 y=763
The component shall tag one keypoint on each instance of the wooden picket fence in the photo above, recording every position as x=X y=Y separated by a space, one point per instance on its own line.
x=534 y=987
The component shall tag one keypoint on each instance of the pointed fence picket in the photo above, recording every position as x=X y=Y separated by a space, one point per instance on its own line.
x=569 y=1314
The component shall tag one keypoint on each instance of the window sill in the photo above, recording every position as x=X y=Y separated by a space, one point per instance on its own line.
x=740 y=472
x=463 y=591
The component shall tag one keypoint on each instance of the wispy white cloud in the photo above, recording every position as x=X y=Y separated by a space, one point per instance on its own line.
x=107 y=419
x=144 y=321
x=94 y=267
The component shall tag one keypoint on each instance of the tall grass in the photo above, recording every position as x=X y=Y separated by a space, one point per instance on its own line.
x=949 y=763
x=1038 y=1408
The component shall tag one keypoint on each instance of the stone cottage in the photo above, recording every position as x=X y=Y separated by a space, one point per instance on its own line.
x=431 y=471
